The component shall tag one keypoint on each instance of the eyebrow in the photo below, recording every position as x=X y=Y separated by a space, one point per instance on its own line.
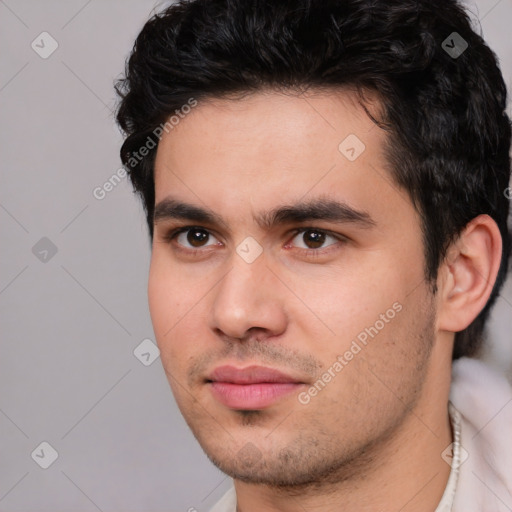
x=320 y=209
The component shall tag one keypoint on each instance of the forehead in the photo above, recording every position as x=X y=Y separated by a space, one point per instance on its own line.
x=271 y=147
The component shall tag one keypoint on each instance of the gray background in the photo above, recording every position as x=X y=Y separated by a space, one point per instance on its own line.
x=72 y=320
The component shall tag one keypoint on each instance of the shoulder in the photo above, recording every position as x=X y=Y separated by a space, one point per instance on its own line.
x=483 y=397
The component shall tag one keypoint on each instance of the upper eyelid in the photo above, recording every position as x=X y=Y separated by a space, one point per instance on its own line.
x=173 y=233
x=337 y=236
x=321 y=230
x=297 y=230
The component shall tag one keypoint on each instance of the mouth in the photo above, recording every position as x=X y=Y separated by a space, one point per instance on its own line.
x=250 y=388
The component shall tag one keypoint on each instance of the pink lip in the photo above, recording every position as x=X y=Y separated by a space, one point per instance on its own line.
x=251 y=388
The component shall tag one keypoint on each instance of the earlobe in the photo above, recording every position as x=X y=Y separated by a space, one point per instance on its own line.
x=468 y=274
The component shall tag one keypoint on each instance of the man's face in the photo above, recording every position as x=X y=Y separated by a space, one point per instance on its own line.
x=332 y=297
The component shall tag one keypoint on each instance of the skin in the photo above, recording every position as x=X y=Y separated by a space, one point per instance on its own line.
x=372 y=438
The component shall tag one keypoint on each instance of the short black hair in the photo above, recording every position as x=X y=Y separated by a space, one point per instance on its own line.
x=442 y=93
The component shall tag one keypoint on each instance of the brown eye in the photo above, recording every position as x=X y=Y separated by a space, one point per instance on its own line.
x=197 y=237
x=313 y=239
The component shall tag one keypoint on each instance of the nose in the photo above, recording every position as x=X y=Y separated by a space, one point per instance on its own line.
x=248 y=299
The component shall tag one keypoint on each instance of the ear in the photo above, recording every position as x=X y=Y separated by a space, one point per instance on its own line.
x=468 y=273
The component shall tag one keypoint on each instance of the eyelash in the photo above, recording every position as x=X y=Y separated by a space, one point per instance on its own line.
x=310 y=253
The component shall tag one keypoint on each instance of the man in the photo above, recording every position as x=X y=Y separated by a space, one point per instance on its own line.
x=325 y=183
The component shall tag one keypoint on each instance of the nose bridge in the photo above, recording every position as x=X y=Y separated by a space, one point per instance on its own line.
x=247 y=298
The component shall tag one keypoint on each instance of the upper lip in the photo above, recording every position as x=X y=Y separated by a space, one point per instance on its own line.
x=249 y=375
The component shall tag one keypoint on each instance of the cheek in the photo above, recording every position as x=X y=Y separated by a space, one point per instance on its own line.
x=174 y=303
x=340 y=305
x=163 y=301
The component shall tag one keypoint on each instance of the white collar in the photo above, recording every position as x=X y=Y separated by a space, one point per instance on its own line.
x=446 y=503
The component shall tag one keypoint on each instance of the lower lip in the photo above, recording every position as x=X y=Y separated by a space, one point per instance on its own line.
x=251 y=396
